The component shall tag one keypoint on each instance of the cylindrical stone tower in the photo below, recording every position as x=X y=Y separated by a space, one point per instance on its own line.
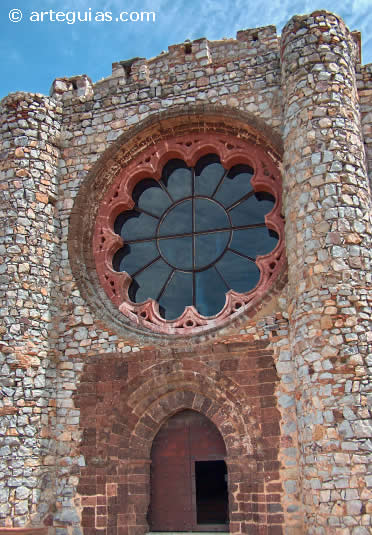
x=29 y=153
x=328 y=237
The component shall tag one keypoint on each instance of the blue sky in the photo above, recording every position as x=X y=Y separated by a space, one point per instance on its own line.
x=33 y=54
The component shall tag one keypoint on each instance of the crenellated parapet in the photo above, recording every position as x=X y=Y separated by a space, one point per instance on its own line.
x=190 y=64
x=81 y=86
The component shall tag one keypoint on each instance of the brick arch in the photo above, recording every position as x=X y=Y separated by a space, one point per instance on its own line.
x=123 y=402
x=217 y=122
x=241 y=456
x=228 y=423
x=189 y=368
x=169 y=387
x=172 y=385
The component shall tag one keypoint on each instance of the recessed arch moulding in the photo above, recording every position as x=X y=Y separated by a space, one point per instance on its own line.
x=120 y=424
x=141 y=153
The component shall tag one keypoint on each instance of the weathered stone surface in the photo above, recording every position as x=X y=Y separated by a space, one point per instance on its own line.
x=67 y=516
x=288 y=386
x=325 y=283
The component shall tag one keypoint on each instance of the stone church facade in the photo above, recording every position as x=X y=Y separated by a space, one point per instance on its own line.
x=91 y=379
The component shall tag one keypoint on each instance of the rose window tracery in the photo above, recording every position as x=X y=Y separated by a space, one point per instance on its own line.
x=193 y=236
x=190 y=233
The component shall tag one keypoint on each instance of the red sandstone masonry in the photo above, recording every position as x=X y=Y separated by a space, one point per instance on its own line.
x=117 y=436
x=109 y=183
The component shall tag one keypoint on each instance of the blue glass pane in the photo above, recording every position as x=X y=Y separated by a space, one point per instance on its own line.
x=235 y=185
x=208 y=173
x=149 y=282
x=133 y=225
x=209 y=215
x=132 y=257
x=210 y=292
x=178 y=220
x=255 y=241
x=150 y=197
x=209 y=247
x=240 y=273
x=177 y=252
x=177 y=295
x=177 y=178
x=252 y=211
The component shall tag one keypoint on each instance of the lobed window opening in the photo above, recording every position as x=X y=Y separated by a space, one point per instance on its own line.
x=193 y=236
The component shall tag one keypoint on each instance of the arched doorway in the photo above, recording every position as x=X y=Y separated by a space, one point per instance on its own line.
x=188 y=476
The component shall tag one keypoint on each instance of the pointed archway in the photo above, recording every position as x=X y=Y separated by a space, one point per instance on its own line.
x=188 y=476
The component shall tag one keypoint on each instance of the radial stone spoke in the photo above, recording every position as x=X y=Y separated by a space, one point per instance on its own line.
x=194 y=235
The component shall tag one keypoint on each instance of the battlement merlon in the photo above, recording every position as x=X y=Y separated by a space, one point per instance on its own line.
x=195 y=55
x=189 y=55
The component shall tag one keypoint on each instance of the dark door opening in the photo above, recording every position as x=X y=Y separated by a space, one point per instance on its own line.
x=211 y=492
x=188 y=476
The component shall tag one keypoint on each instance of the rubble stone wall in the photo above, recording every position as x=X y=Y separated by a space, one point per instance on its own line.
x=328 y=237
x=29 y=241
x=242 y=74
x=364 y=85
x=287 y=386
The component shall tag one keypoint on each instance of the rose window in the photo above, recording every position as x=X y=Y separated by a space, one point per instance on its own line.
x=190 y=234
x=193 y=236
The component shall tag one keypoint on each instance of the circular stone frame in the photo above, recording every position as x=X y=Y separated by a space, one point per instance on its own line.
x=107 y=192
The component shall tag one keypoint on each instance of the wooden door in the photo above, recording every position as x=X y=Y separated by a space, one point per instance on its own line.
x=185 y=439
